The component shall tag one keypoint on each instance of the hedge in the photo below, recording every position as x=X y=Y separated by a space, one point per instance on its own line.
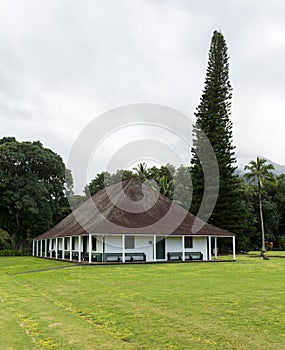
x=12 y=252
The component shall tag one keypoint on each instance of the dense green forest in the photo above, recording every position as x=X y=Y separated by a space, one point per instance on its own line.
x=33 y=189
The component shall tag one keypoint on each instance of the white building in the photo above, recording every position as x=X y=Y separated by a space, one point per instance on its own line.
x=130 y=222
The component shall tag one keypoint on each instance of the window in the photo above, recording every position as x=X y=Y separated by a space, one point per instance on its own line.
x=94 y=244
x=73 y=242
x=188 y=242
x=129 y=242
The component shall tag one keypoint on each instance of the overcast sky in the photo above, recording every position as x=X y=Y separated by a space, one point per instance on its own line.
x=63 y=63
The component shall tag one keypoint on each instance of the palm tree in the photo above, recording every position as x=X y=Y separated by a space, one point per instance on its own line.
x=260 y=171
x=166 y=187
x=142 y=171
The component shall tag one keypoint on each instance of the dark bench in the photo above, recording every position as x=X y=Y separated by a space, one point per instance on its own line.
x=135 y=257
x=195 y=255
x=174 y=256
x=112 y=257
x=74 y=255
x=129 y=257
x=66 y=255
x=95 y=257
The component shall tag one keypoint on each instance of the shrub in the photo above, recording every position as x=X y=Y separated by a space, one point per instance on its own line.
x=11 y=252
x=281 y=242
x=5 y=240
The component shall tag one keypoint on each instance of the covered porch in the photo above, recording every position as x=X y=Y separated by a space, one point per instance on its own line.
x=126 y=248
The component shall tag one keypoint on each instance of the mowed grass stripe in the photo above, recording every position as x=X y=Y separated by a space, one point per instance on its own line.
x=175 y=306
x=12 y=335
x=48 y=324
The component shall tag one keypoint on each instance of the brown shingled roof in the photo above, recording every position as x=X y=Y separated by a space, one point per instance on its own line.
x=131 y=207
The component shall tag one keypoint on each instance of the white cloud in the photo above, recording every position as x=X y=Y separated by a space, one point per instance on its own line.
x=62 y=63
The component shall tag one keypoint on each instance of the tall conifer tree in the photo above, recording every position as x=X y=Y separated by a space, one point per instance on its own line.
x=213 y=118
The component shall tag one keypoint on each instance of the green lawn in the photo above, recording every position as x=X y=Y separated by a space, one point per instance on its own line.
x=236 y=305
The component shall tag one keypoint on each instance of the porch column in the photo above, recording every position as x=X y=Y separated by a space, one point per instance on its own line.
x=154 y=248
x=33 y=252
x=62 y=247
x=50 y=247
x=46 y=247
x=41 y=248
x=216 y=247
x=56 y=247
x=70 y=248
x=234 y=248
x=104 y=247
x=123 y=249
x=79 y=248
x=183 y=248
x=90 y=248
x=210 y=248
x=37 y=248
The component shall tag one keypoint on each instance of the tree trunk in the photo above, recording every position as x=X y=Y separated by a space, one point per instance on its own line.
x=15 y=235
x=261 y=221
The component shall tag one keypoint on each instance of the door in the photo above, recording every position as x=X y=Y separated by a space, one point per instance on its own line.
x=160 y=247
x=85 y=244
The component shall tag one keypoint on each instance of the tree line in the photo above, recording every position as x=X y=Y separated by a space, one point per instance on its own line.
x=35 y=194
x=258 y=189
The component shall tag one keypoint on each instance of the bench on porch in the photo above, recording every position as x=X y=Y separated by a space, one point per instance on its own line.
x=112 y=257
x=129 y=257
x=194 y=255
x=66 y=255
x=95 y=257
x=135 y=257
x=173 y=256
x=74 y=255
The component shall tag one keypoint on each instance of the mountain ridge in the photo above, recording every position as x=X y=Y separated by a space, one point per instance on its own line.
x=278 y=168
